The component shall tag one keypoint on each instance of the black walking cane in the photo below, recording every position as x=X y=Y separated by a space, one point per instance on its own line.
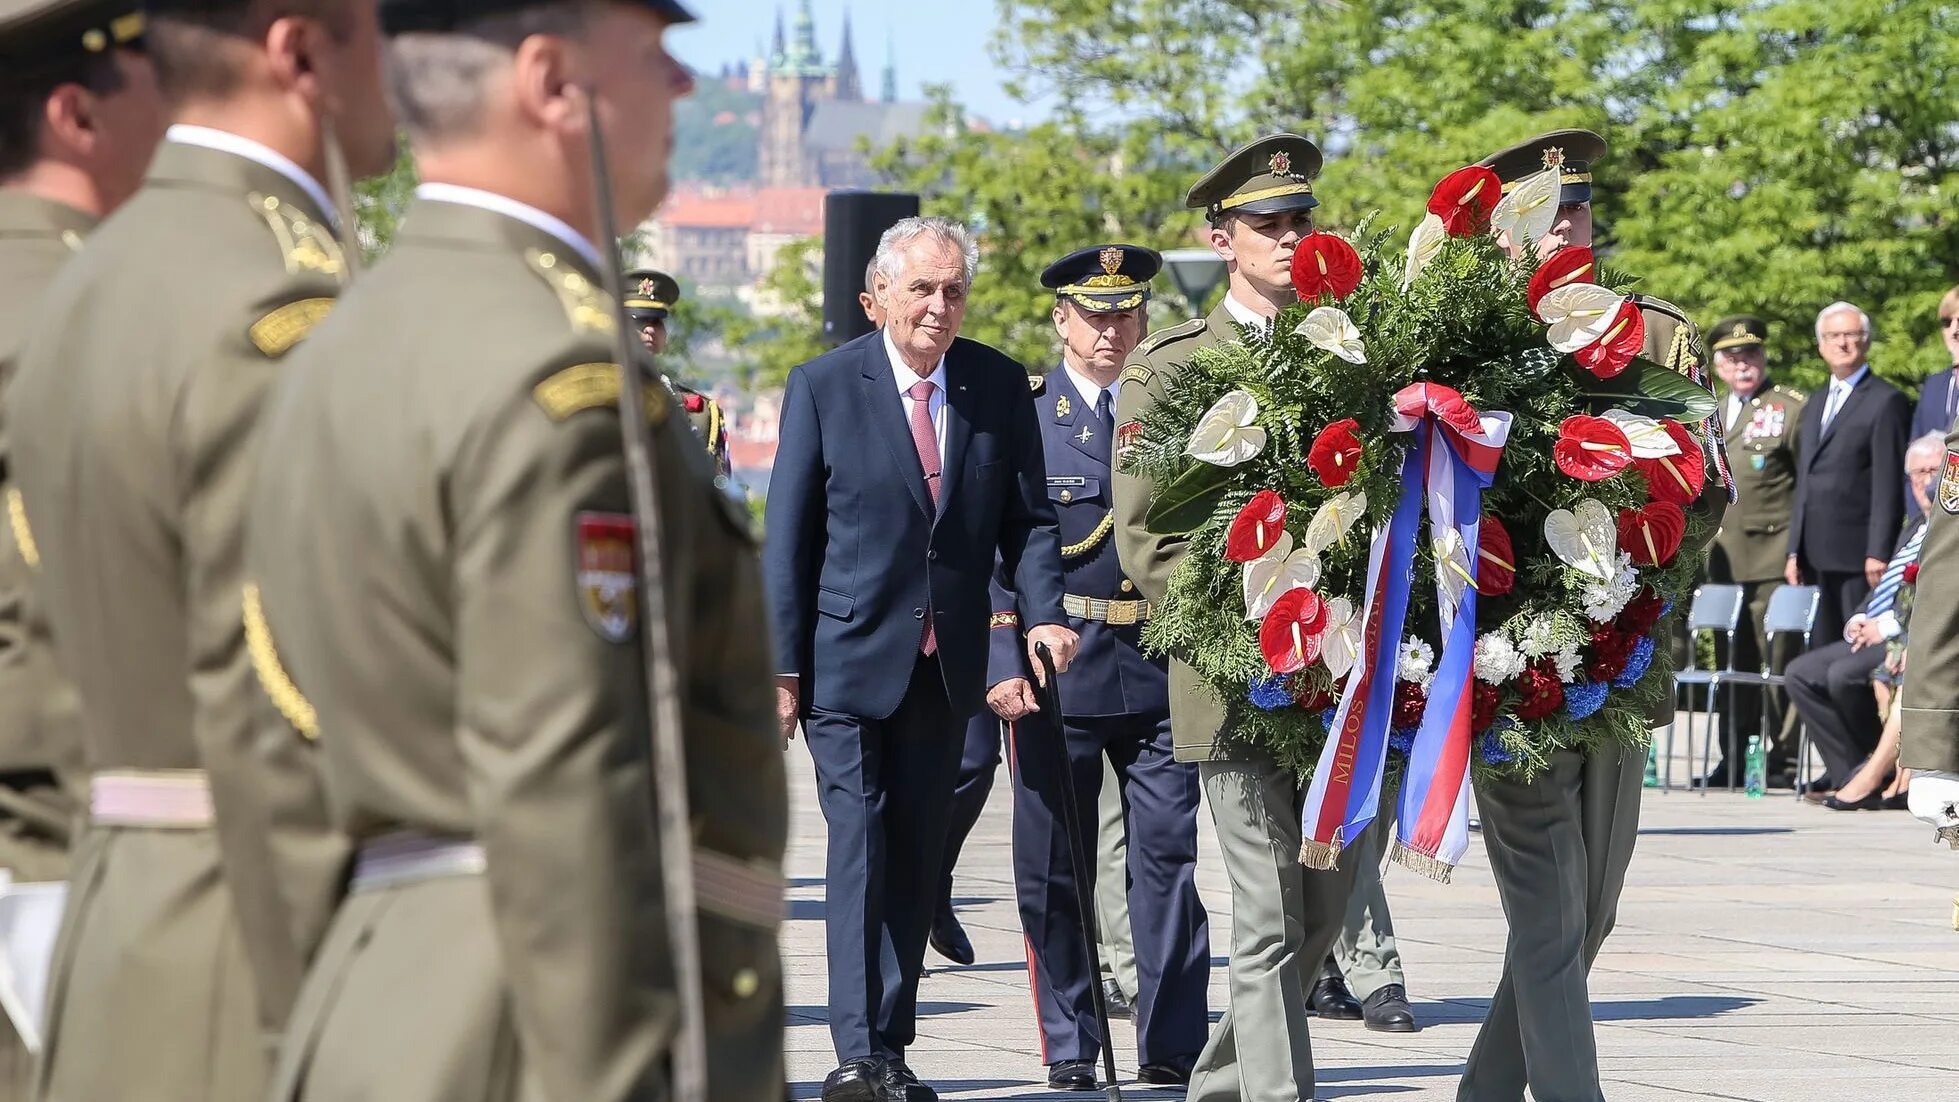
x=1078 y=853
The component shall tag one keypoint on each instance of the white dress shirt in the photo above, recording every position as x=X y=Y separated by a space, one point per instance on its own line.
x=226 y=142
x=1245 y=315
x=1089 y=389
x=1840 y=393
x=511 y=208
x=906 y=378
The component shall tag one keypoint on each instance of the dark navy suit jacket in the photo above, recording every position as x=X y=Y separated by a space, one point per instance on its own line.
x=855 y=554
x=1849 y=500
x=1930 y=415
x=1110 y=675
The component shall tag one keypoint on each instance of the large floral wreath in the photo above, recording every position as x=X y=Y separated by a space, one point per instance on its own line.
x=1438 y=509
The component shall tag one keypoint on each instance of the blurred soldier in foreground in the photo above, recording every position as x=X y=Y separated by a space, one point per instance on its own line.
x=649 y=301
x=134 y=444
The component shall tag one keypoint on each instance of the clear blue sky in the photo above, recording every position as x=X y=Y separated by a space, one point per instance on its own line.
x=935 y=40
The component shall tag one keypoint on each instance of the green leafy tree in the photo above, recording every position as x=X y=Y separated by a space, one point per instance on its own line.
x=790 y=332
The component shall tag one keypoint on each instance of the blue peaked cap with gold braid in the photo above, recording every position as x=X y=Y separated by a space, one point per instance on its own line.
x=437 y=16
x=1104 y=278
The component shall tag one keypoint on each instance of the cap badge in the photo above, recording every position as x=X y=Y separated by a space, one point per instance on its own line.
x=1111 y=258
x=1281 y=164
x=1741 y=330
x=1554 y=157
x=646 y=287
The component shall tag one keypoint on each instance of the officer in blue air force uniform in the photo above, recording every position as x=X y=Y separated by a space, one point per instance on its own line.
x=1116 y=703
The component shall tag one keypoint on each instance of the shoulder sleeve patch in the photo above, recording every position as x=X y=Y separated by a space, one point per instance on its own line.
x=1136 y=373
x=307 y=245
x=1164 y=336
x=277 y=332
x=593 y=386
x=585 y=305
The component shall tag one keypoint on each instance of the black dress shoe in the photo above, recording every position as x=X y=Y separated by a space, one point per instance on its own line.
x=1115 y=1002
x=1387 y=1011
x=900 y=1085
x=948 y=938
x=1900 y=802
x=1072 y=1075
x=1168 y=1073
x=1872 y=802
x=859 y=1080
x=1331 y=999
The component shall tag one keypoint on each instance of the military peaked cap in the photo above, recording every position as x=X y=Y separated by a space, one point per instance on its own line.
x=1273 y=174
x=43 y=38
x=436 y=16
x=650 y=295
x=1572 y=152
x=1739 y=331
x=1104 y=278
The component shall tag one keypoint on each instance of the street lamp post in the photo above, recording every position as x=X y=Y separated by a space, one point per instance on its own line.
x=1196 y=272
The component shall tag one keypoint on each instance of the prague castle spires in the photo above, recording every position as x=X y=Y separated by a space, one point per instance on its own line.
x=814 y=111
x=847 y=86
x=889 y=90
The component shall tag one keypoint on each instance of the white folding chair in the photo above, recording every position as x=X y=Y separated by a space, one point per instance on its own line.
x=1716 y=608
x=1791 y=611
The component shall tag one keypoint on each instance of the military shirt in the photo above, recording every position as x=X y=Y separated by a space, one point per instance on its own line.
x=1765 y=451
x=40 y=734
x=1197 y=712
x=444 y=552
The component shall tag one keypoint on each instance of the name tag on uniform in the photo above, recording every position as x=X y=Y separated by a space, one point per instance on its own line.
x=1054 y=480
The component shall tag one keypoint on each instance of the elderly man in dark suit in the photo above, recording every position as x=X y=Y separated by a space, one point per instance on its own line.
x=1849 y=502
x=908 y=460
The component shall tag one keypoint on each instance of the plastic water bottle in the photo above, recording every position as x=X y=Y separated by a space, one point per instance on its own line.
x=1756 y=774
x=1652 y=765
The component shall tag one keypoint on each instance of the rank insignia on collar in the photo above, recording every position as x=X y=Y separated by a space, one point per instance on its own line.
x=608 y=588
x=1087 y=434
x=1061 y=407
x=1949 y=484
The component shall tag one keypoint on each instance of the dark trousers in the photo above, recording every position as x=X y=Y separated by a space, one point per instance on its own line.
x=1172 y=932
x=977 y=764
x=1831 y=687
x=885 y=786
x=1838 y=595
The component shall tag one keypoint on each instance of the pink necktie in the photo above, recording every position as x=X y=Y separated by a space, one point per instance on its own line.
x=927 y=443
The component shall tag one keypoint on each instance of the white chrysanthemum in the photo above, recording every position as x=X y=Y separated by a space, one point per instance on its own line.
x=1539 y=639
x=1417 y=662
x=1605 y=600
x=1566 y=659
x=1497 y=658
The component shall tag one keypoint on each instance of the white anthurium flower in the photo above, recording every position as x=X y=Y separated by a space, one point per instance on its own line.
x=1452 y=567
x=1272 y=577
x=1331 y=522
x=1585 y=538
x=1578 y=314
x=1329 y=329
x=1225 y=435
x=1340 y=646
x=1649 y=439
x=1530 y=208
x=1423 y=245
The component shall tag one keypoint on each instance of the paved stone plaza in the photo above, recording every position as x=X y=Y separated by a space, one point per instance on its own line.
x=1766 y=950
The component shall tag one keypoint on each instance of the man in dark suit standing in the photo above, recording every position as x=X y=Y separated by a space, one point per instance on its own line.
x=1849 y=502
x=908 y=459
x=1938 y=399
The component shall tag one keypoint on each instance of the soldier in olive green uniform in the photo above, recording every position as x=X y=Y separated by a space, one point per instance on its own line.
x=133 y=445
x=1285 y=916
x=1560 y=845
x=1760 y=419
x=1929 y=739
x=650 y=296
x=67 y=57
x=443 y=554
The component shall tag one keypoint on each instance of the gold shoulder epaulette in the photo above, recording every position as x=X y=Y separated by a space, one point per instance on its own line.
x=1794 y=393
x=1164 y=336
x=277 y=332
x=591 y=386
x=1037 y=383
x=307 y=245
x=585 y=304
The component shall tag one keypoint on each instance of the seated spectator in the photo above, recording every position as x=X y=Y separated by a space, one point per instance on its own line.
x=1879 y=783
x=1831 y=685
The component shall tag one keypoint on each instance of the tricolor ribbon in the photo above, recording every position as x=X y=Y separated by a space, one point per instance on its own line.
x=1452 y=461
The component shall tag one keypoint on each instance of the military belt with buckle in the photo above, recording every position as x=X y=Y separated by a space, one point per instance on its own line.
x=1113 y=613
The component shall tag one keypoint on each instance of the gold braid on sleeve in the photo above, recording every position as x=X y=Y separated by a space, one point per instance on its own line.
x=1088 y=543
x=271 y=672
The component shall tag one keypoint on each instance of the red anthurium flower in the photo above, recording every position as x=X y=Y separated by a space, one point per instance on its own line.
x=1290 y=636
x=1465 y=199
x=1571 y=264
x=1496 y=561
x=1651 y=534
x=1419 y=399
x=1256 y=527
x=1676 y=478
x=1911 y=573
x=1335 y=454
x=1591 y=449
x=1325 y=264
x=1614 y=352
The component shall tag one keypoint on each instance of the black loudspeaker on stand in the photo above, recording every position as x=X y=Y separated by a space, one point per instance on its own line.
x=852 y=223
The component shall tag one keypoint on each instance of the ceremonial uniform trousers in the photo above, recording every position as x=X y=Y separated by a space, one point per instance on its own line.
x=1559 y=849
x=1115 y=706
